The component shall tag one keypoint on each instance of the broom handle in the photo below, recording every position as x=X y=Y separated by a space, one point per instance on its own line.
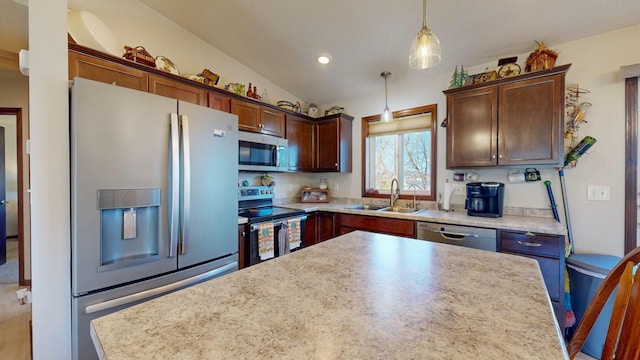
x=566 y=207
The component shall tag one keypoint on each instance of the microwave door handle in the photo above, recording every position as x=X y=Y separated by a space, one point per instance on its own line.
x=186 y=183
x=174 y=212
x=277 y=155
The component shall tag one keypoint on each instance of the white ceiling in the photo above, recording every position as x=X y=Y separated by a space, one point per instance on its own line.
x=282 y=39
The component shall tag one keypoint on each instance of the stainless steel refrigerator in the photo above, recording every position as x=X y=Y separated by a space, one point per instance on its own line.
x=153 y=199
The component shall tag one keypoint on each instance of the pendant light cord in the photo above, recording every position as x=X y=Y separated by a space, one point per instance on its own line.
x=424 y=14
x=386 y=103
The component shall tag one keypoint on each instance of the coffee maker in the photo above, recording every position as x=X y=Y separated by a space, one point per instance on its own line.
x=485 y=199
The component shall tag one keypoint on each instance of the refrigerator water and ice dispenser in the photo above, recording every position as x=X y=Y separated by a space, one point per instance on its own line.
x=129 y=227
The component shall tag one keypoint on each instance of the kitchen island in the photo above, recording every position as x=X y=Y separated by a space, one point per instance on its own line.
x=357 y=296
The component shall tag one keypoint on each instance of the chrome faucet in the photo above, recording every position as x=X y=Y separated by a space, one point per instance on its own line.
x=415 y=203
x=394 y=196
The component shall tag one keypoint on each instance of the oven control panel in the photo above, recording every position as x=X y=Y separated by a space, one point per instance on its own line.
x=256 y=192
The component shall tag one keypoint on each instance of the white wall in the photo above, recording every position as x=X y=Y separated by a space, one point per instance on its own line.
x=50 y=211
x=598 y=226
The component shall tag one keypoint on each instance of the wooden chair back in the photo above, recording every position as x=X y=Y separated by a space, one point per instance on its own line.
x=623 y=335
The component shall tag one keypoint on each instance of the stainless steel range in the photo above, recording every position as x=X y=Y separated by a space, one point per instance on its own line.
x=272 y=231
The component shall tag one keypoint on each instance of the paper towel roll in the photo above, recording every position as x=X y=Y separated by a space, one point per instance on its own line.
x=447 y=195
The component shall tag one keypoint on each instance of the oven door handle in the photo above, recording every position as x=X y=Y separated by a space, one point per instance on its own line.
x=256 y=226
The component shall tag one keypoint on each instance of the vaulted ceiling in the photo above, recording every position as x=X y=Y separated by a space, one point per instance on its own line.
x=282 y=39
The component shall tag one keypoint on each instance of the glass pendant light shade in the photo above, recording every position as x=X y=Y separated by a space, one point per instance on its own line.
x=425 y=50
x=387 y=115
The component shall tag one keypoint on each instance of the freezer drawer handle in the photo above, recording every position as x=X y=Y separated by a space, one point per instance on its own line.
x=529 y=244
x=106 y=305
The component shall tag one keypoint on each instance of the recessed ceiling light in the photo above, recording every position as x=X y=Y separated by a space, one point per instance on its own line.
x=324 y=60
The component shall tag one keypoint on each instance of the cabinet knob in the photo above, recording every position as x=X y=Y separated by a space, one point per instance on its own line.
x=493 y=157
x=336 y=165
x=500 y=156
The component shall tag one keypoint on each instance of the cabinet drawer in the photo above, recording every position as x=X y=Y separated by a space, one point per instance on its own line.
x=530 y=243
x=550 y=269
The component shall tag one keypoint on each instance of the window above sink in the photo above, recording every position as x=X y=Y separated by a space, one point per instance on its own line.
x=404 y=149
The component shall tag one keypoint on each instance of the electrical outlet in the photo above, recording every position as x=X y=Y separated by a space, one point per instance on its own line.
x=598 y=192
x=336 y=186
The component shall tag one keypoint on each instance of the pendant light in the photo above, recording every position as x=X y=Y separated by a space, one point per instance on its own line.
x=425 y=50
x=386 y=116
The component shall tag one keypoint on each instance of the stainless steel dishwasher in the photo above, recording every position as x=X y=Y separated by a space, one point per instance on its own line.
x=467 y=236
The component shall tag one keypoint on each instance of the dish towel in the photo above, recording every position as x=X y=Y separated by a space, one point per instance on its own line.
x=265 y=241
x=293 y=226
x=283 y=240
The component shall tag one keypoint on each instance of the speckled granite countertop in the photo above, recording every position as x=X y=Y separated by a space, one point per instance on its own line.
x=357 y=296
x=507 y=222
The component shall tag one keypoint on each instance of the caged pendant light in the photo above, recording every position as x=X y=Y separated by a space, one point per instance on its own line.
x=386 y=116
x=425 y=49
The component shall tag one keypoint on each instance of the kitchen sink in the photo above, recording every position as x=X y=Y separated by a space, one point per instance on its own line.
x=404 y=210
x=366 y=207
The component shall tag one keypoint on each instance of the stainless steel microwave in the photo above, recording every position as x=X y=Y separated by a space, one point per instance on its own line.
x=259 y=152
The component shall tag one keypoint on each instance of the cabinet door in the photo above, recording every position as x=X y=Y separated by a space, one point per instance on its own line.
x=326 y=226
x=550 y=269
x=530 y=117
x=311 y=230
x=271 y=122
x=327 y=145
x=472 y=128
x=219 y=102
x=177 y=90
x=88 y=67
x=248 y=115
x=242 y=247
x=300 y=138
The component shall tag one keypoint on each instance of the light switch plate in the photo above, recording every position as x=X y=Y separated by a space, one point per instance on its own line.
x=599 y=192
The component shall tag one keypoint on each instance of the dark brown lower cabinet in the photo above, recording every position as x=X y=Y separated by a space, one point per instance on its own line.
x=326 y=226
x=319 y=226
x=399 y=227
x=242 y=246
x=548 y=250
x=311 y=230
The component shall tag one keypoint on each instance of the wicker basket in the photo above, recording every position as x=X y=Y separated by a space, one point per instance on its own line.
x=139 y=55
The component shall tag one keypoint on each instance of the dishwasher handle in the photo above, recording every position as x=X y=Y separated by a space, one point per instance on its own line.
x=454 y=235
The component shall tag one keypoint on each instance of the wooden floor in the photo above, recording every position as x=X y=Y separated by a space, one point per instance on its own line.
x=14 y=325
x=14 y=318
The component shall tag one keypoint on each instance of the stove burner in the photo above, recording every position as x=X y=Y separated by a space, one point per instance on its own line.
x=256 y=204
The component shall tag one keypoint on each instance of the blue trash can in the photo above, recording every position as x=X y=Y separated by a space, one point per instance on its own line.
x=586 y=273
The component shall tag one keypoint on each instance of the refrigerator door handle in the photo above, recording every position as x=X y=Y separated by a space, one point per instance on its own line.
x=109 y=304
x=174 y=213
x=186 y=185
